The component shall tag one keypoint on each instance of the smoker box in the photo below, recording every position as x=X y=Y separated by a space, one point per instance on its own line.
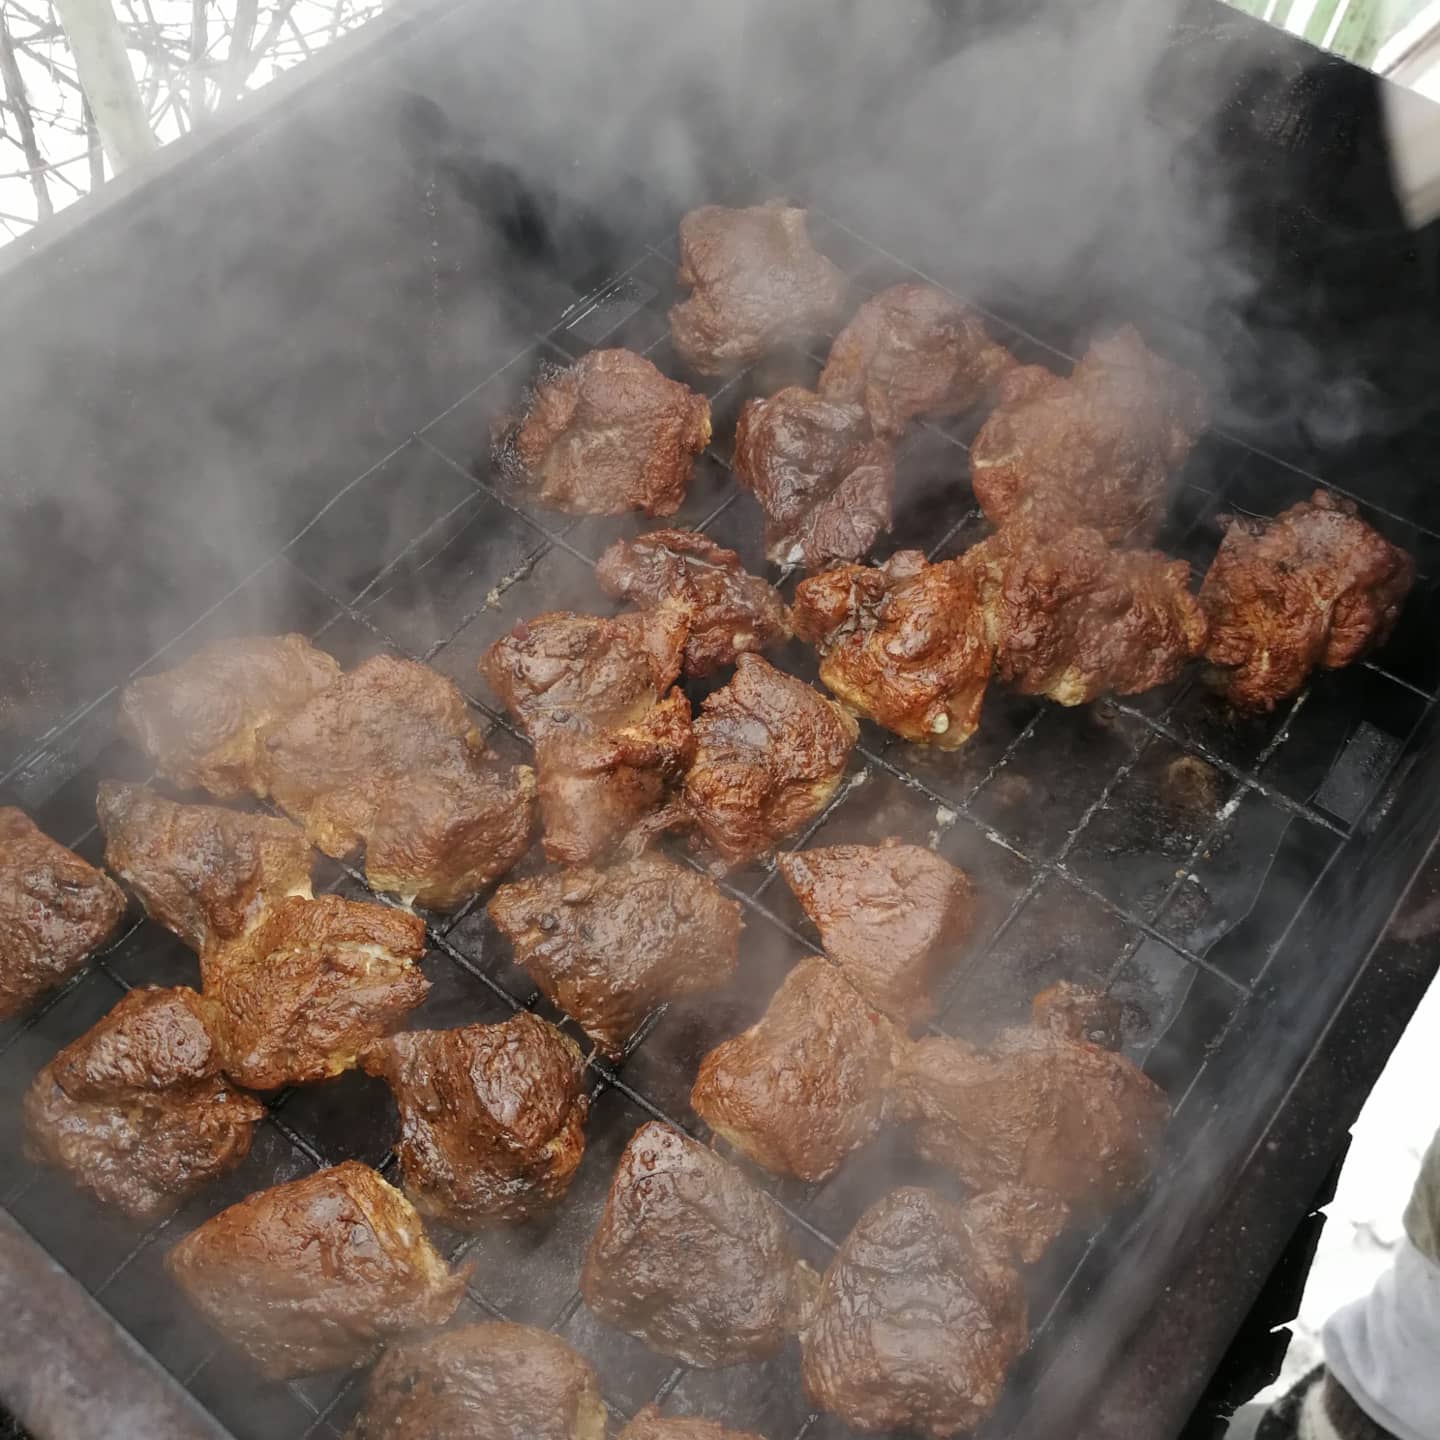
x=254 y=392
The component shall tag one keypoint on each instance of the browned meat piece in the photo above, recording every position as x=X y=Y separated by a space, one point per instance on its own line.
x=1094 y=449
x=890 y=916
x=607 y=946
x=609 y=790
x=482 y=1382
x=491 y=1116
x=206 y=873
x=200 y=722
x=904 y=645
x=54 y=910
x=823 y=481
x=1049 y=1106
x=912 y=350
x=728 y=610
x=755 y=281
x=922 y=1311
x=650 y=1424
x=299 y=996
x=1314 y=586
x=690 y=1257
x=770 y=752
x=1073 y=619
x=568 y=671
x=805 y=1085
x=136 y=1110
x=311 y=1275
x=605 y=435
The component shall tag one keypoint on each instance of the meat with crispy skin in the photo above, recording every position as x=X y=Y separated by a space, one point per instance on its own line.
x=1314 y=586
x=650 y=1424
x=904 y=644
x=805 y=1085
x=204 y=872
x=821 y=477
x=1095 y=448
x=492 y=1381
x=770 y=752
x=912 y=350
x=891 y=916
x=691 y=1258
x=54 y=911
x=755 y=281
x=302 y=993
x=1048 y=1105
x=922 y=1311
x=491 y=1116
x=312 y=1274
x=1072 y=619
x=200 y=722
x=607 y=946
x=728 y=610
x=605 y=435
x=136 y=1110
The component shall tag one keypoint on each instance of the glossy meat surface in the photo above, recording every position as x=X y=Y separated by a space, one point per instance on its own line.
x=203 y=872
x=822 y=479
x=491 y=1116
x=1316 y=586
x=605 y=435
x=691 y=1258
x=1096 y=448
x=310 y=1275
x=299 y=996
x=922 y=1312
x=904 y=644
x=912 y=350
x=892 y=917
x=805 y=1085
x=200 y=722
x=607 y=946
x=728 y=610
x=770 y=754
x=755 y=279
x=482 y=1382
x=1045 y=1107
x=136 y=1110
x=650 y=1424
x=54 y=911
x=1072 y=619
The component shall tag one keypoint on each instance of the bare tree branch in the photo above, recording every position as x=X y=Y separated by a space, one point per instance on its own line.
x=18 y=103
x=104 y=70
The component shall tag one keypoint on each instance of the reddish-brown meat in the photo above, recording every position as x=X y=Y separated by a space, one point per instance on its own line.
x=905 y=645
x=491 y=1117
x=805 y=1085
x=605 y=435
x=607 y=946
x=650 y=1424
x=1072 y=619
x=311 y=1275
x=1094 y=449
x=299 y=996
x=204 y=872
x=891 y=916
x=912 y=350
x=690 y=1257
x=136 y=1110
x=770 y=752
x=755 y=281
x=822 y=479
x=200 y=722
x=1046 y=1106
x=728 y=611
x=1314 y=586
x=922 y=1312
x=482 y=1382
x=54 y=911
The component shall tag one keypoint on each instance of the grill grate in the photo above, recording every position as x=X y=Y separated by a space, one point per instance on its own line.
x=1155 y=847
